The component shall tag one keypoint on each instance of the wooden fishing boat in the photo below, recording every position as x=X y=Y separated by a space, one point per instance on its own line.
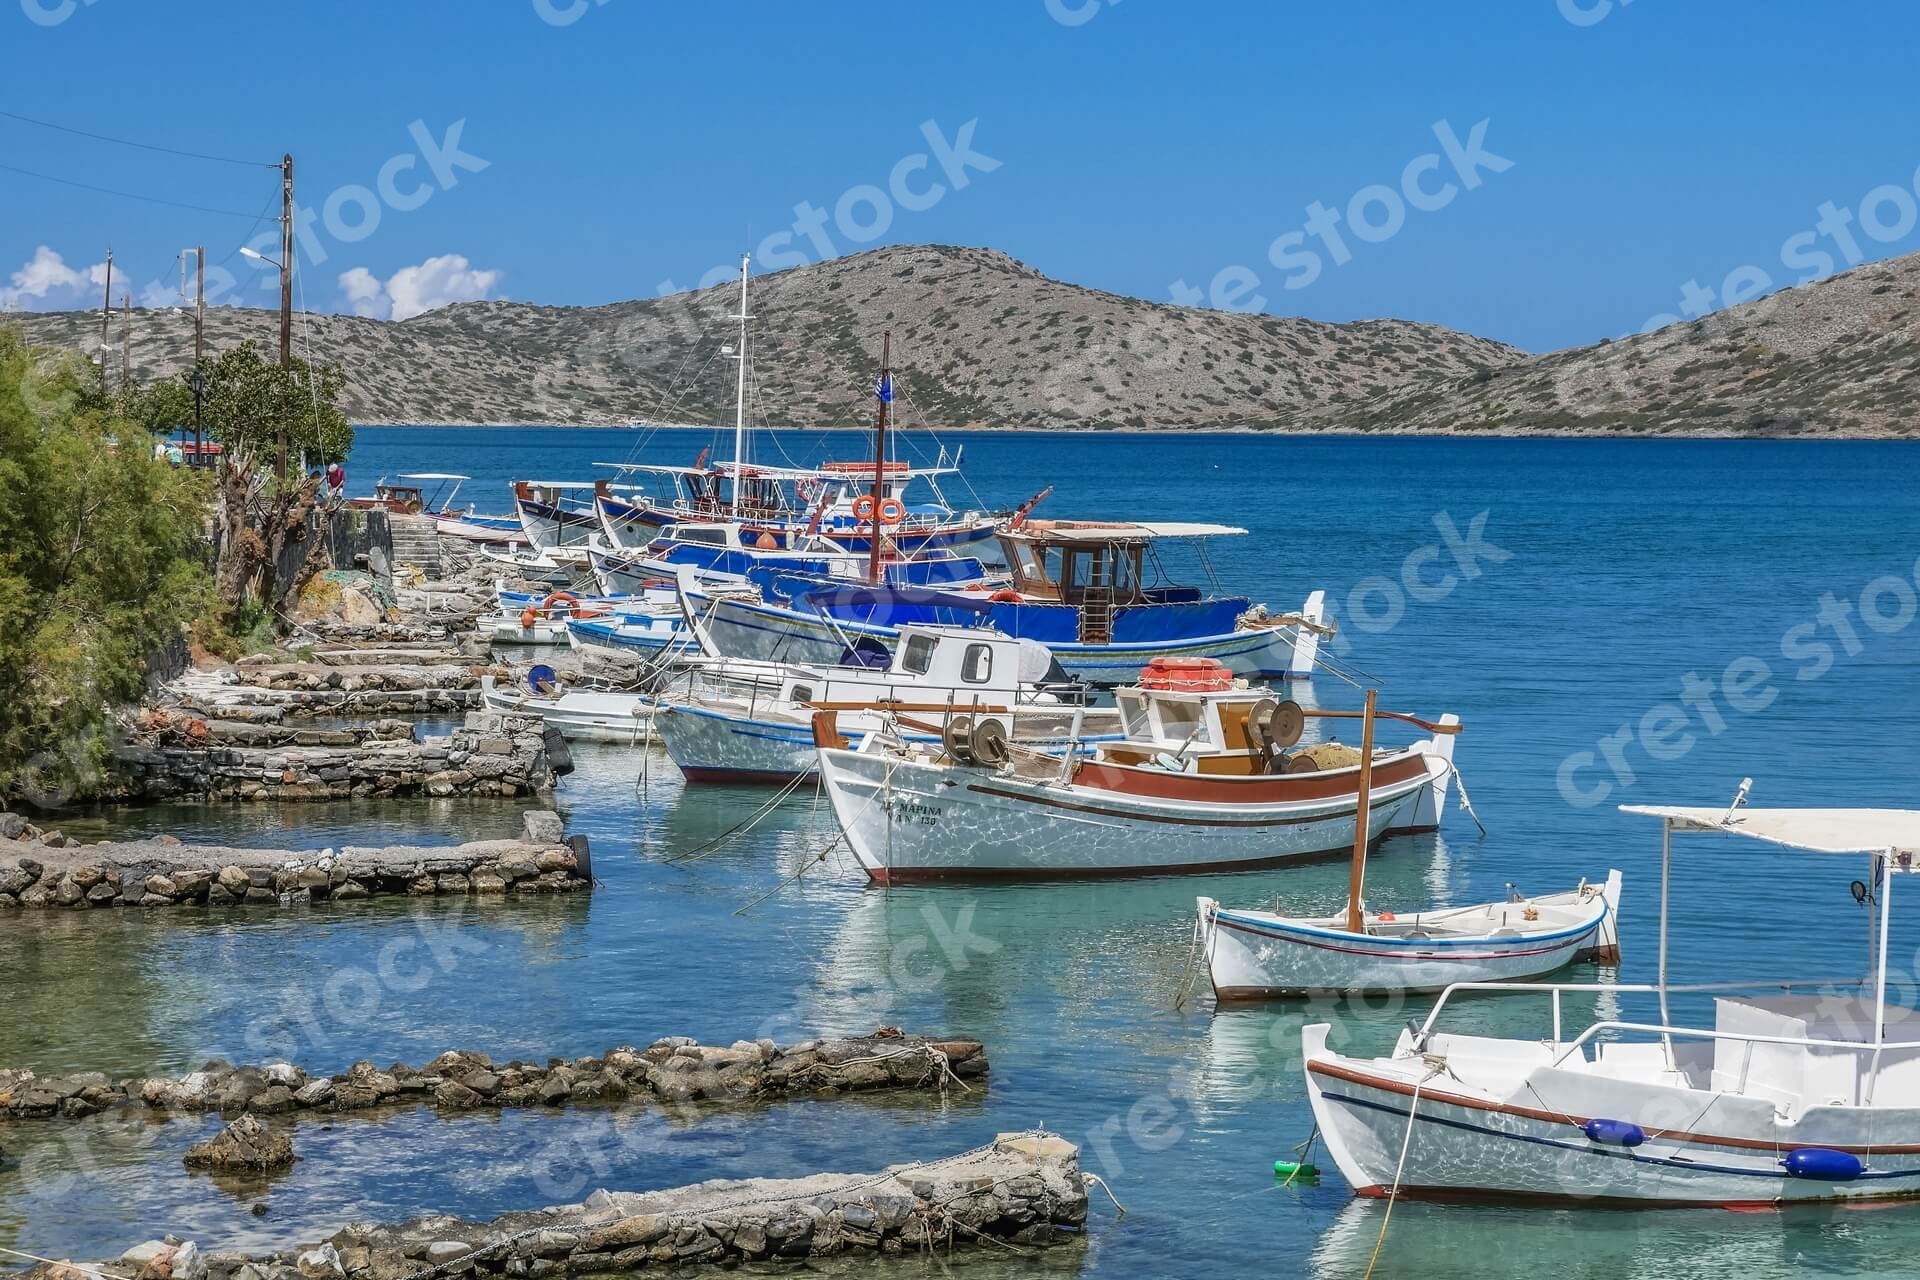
x=1202 y=781
x=752 y=722
x=1259 y=955
x=1795 y=1092
x=580 y=713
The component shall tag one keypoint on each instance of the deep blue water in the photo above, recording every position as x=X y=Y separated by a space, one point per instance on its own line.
x=1632 y=564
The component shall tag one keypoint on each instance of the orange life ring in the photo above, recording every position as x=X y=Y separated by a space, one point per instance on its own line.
x=863 y=507
x=893 y=511
x=1007 y=595
x=572 y=601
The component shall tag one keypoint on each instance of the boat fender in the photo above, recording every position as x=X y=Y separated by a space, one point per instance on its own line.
x=527 y=618
x=582 y=856
x=1614 y=1133
x=559 y=755
x=989 y=744
x=1822 y=1164
x=1296 y=1170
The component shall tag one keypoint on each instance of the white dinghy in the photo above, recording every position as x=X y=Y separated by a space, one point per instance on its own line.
x=1808 y=1093
x=580 y=714
x=1259 y=955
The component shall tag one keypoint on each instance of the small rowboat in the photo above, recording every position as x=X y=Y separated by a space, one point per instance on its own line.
x=1254 y=955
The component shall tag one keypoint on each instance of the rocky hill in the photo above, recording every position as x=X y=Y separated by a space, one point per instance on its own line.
x=979 y=340
x=1838 y=357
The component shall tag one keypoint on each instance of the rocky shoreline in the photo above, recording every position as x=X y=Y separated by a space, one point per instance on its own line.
x=43 y=870
x=674 y=1069
x=1022 y=1189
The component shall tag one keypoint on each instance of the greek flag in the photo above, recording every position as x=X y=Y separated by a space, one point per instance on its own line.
x=884 y=388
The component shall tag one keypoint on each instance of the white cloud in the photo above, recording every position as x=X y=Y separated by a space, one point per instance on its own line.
x=47 y=283
x=411 y=291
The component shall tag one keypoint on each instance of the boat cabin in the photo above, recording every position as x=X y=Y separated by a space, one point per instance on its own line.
x=1202 y=729
x=1097 y=566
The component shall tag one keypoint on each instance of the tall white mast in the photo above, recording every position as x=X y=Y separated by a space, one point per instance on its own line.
x=740 y=395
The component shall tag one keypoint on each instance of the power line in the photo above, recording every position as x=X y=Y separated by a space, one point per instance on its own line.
x=143 y=146
x=127 y=195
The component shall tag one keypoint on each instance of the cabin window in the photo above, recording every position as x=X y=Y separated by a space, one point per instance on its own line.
x=704 y=537
x=1133 y=710
x=977 y=666
x=917 y=656
x=803 y=693
x=1179 y=720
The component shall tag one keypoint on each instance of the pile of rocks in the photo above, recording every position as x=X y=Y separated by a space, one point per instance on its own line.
x=674 y=1070
x=46 y=869
x=1021 y=1190
x=245 y=1145
x=490 y=755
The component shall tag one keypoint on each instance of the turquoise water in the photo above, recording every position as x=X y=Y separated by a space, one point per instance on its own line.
x=1632 y=564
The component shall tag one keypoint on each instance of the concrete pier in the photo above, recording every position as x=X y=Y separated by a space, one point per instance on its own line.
x=1021 y=1191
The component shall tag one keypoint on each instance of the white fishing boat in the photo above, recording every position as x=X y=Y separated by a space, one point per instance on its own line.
x=1202 y=781
x=1261 y=955
x=752 y=722
x=529 y=618
x=580 y=714
x=1805 y=1092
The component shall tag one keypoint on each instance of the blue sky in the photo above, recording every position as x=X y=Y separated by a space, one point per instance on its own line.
x=1139 y=144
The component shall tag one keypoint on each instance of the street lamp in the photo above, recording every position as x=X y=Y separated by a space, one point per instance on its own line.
x=257 y=256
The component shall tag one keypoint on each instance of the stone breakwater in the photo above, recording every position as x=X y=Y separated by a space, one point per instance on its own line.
x=671 y=1070
x=490 y=755
x=44 y=869
x=1022 y=1189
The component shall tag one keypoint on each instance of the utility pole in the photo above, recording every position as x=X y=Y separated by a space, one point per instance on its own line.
x=106 y=318
x=199 y=349
x=286 y=293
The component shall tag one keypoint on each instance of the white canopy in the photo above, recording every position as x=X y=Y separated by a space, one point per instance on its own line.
x=1123 y=530
x=433 y=475
x=1815 y=830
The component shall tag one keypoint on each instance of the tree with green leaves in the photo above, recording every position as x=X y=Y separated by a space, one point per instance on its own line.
x=102 y=561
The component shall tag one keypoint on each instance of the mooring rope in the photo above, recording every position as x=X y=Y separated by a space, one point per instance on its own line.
x=1393 y=1192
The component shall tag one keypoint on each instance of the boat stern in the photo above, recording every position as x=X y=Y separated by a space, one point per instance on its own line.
x=1430 y=805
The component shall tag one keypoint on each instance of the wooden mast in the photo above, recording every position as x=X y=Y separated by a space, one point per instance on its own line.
x=1357 y=877
x=884 y=391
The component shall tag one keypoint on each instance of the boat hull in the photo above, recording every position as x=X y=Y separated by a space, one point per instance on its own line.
x=581 y=715
x=911 y=821
x=747 y=629
x=1464 y=1147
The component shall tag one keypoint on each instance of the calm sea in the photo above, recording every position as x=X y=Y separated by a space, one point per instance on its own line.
x=1612 y=582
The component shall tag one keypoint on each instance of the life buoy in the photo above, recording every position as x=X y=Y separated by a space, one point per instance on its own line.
x=1007 y=595
x=893 y=511
x=863 y=507
x=572 y=602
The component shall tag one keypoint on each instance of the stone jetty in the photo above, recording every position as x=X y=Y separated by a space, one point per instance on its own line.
x=173 y=754
x=675 y=1069
x=1022 y=1191
x=45 y=869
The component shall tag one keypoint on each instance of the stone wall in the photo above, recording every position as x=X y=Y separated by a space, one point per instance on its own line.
x=1022 y=1191
x=45 y=870
x=491 y=755
x=675 y=1069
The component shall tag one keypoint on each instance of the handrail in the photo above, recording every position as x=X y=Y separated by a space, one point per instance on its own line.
x=1555 y=989
x=1700 y=1033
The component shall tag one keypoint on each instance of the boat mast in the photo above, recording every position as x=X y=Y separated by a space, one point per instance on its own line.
x=1357 y=877
x=885 y=393
x=740 y=392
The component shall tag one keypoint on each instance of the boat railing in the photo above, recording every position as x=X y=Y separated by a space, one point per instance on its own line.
x=1554 y=990
x=1667 y=1032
